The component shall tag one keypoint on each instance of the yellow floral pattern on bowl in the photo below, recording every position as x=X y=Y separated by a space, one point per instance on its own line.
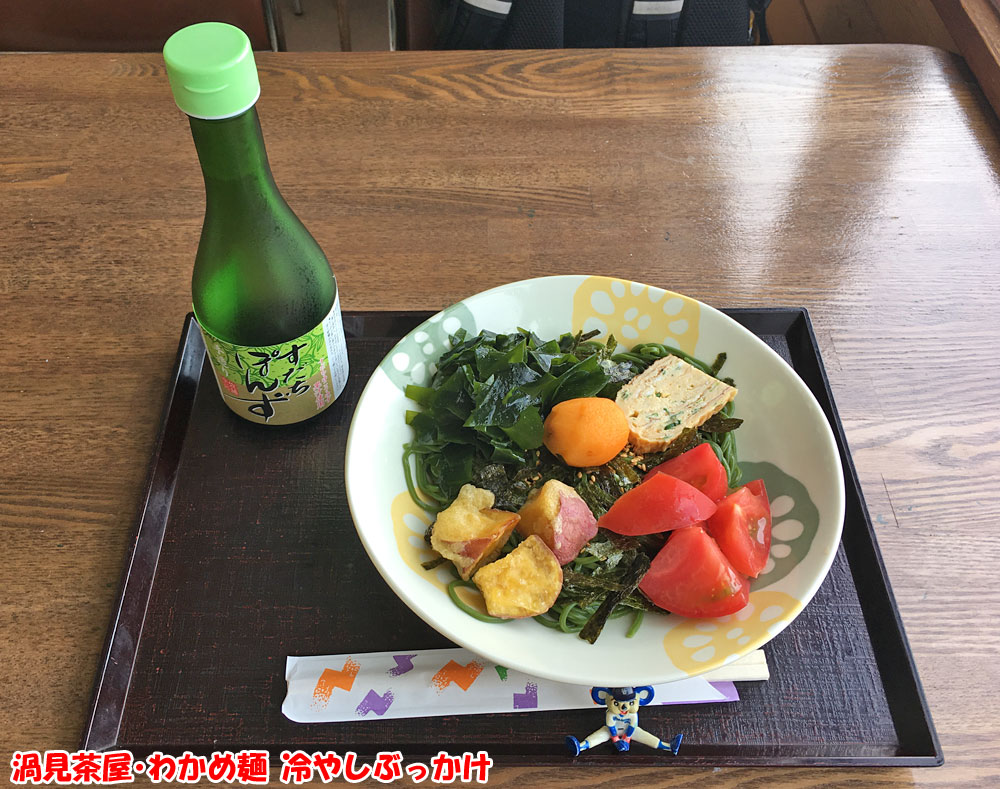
x=696 y=645
x=636 y=313
x=409 y=524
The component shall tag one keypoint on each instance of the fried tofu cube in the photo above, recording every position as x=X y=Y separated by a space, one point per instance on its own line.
x=562 y=520
x=525 y=582
x=470 y=532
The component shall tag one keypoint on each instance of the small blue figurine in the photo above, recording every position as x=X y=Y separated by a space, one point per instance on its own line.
x=622 y=722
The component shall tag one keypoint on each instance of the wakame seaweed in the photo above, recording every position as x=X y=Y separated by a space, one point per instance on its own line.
x=485 y=406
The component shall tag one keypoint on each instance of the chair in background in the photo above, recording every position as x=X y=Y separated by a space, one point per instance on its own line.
x=126 y=25
x=411 y=23
x=343 y=22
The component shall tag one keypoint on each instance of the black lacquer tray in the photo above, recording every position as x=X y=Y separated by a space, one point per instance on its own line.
x=245 y=552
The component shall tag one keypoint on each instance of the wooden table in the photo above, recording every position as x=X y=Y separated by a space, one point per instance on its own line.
x=857 y=181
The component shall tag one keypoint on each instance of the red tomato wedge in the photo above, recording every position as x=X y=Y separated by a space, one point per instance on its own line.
x=698 y=467
x=742 y=527
x=690 y=576
x=660 y=504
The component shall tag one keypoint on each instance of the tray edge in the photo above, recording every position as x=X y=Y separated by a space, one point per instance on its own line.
x=96 y=735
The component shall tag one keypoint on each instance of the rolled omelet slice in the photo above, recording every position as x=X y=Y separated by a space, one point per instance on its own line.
x=525 y=582
x=666 y=399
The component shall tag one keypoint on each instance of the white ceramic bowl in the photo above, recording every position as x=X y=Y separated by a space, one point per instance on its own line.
x=785 y=439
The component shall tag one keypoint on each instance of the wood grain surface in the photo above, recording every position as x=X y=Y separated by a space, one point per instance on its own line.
x=857 y=181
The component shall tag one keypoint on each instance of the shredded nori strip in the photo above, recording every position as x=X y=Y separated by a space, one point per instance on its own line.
x=688 y=439
x=509 y=492
x=624 y=472
x=652 y=543
x=720 y=423
x=628 y=584
x=586 y=589
x=598 y=499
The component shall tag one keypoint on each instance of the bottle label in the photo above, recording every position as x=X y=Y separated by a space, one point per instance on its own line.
x=286 y=383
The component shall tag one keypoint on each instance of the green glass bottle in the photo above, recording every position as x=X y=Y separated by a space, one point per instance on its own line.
x=264 y=293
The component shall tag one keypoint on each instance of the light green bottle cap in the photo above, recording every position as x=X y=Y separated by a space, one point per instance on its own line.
x=211 y=70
